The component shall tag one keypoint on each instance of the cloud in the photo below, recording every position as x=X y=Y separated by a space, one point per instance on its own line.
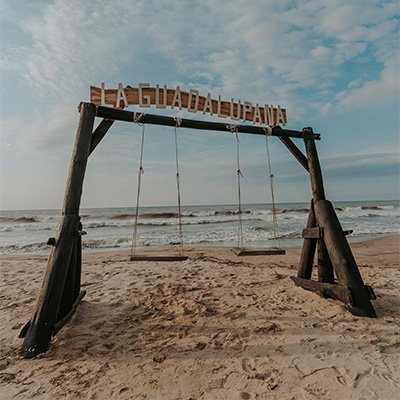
x=368 y=162
x=284 y=47
x=372 y=92
x=316 y=58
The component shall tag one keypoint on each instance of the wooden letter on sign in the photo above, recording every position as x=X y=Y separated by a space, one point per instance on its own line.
x=145 y=96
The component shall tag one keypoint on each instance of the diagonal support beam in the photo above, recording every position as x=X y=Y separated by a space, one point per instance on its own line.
x=338 y=292
x=297 y=153
x=99 y=133
x=342 y=259
x=308 y=249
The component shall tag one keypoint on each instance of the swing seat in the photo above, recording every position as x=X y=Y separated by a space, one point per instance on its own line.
x=158 y=257
x=253 y=251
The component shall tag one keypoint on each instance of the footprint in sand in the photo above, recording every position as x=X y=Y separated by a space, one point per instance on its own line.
x=267 y=375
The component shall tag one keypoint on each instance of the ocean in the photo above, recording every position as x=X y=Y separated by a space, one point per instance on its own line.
x=111 y=228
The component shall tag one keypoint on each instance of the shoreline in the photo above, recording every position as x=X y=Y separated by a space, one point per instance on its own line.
x=203 y=226
x=86 y=250
x=213 y=326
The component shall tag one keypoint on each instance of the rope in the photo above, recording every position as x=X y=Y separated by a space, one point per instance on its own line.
x=137 y=117
x=268 y=132
x=234 y=130
x=140 y=173
x=178 y=122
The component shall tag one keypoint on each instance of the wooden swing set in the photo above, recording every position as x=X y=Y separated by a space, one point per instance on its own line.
x=240 y=250
x=60 y=293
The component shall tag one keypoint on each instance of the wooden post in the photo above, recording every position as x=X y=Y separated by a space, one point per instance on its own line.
x=325 y=267
x=308 y=249
x=342 y=259
x=68 y=294
x=41 y=327
x=314 y=167
x=337 y=247
x=77 y=286
x=72 y=286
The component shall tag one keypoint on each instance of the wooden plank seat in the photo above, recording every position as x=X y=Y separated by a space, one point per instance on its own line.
x=158 y=257
x=249 y=251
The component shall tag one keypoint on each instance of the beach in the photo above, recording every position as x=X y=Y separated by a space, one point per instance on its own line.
x=215 y=326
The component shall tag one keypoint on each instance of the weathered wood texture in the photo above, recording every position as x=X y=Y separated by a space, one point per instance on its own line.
x=308 y=249
x=223 y=109
x=342 y=258
x=163 y=258
x=40 y=330
x=325 y=270
x=38 y=335
x=129 y=116
x=318 y=233
x=78 y=255
x=334 y=253
x=325 y=267
x=99 y=133
x=312 y=233
x=60 y=323
x=68 y=293
x=339 y=292
x=72 y=284
x=80 y=153
x=271 y=251
x=314 y=167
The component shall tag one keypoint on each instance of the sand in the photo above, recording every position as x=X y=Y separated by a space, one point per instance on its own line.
x=212 y=327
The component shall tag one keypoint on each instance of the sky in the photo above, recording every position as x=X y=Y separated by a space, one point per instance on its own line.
x=333 y=64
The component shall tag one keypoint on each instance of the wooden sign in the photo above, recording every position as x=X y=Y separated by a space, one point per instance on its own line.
x=161 y=97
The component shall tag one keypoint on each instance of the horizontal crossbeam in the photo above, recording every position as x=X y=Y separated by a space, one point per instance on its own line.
x=313 y=233
x=152 y=119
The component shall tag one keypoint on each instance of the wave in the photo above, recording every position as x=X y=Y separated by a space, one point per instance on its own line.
x=111 y=228
x=30 y=227
x=103 y=224
x=210 y=213
x=106 y=243
x=24 y=248
x=233 y=212
x=366 y=208
x=290 y=235
x=122 y=216
x=19 y=219
x=207 y=237
x=352 y=211
x=293 y=210
x=371 y=208
x=262 y=228
x=160 y=214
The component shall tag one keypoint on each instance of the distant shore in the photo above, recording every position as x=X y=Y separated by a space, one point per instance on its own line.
x=213 y=327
